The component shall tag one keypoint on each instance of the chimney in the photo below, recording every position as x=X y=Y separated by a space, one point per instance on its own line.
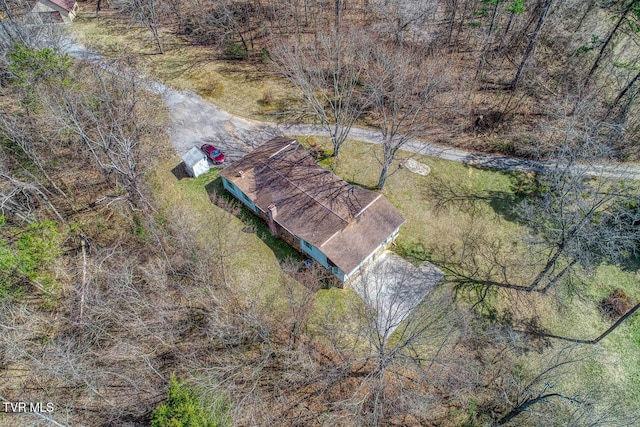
x=273 y=211
x=240 y=173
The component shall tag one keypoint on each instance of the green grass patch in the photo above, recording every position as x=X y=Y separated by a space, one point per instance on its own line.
x=491 y=191
x=616 y=361
x=187 y=202
x=236 y=86
x=255 y=266
x=252 y=223
x=26 y=258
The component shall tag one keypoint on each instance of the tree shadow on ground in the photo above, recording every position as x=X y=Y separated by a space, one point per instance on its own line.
x=451 y=194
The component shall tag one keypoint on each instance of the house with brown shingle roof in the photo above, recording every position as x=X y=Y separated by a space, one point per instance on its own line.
x=341 y=226
x=56 y=10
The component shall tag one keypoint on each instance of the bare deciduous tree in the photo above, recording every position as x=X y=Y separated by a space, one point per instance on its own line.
x=110 y=119
x=626 y=9
x=402 y=83
x=328 y=73
x=401 y=333
x=148 y=13
x=572 y=215
x=401 y=16
x=532 y=43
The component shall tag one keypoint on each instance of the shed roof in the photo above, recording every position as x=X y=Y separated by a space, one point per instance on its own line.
x=346 y=222
x=193 y=156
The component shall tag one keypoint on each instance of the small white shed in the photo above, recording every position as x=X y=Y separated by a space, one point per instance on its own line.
x=195 y=162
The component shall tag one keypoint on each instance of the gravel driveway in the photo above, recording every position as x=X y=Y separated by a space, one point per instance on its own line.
x=195 y=121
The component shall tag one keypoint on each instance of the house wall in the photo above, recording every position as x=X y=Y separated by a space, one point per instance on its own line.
x=285 y=235
x=314 y=252
x=233 y=189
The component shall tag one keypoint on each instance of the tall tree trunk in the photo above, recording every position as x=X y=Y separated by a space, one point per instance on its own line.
x=461 y=25
x=525 y=405
x=590 y=6
x=621 y=95
x=384 y=174
x=452 y=21
x=600 y=337
x=483 y=54
x=547 y=268
x=503 y=38
x=532 y=43
x=559 y=276
x=613 y=32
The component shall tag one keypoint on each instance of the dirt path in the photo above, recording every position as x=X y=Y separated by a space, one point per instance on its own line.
x=195 y=121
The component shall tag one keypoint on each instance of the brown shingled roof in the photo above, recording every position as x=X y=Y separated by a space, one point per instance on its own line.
x=346 y=222
x=65 y=4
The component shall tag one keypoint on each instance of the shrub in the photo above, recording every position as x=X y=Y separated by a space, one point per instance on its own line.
x=616 y=304
x=214 y=89
x=267 y=98
x=235 y=51
x=264 y=55
x=183 y=409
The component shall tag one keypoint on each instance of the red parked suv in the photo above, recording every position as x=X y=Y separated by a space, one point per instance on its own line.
x=215 y=155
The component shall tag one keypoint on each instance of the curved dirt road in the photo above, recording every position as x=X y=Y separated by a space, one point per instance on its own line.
x=195 y=121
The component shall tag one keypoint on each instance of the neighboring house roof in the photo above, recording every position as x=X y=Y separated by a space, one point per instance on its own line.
x=347 y=223
x=65 y=4
x=65 y=8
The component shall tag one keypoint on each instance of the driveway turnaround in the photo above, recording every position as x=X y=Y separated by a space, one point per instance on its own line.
x=394 y=288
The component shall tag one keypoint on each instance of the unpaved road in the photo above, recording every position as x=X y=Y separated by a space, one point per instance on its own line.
x=195 y=121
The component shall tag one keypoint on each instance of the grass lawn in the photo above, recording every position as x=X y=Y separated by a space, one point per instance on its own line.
x=242 y=89
x=615 y=361
x=255 y=261
x=187 y=202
